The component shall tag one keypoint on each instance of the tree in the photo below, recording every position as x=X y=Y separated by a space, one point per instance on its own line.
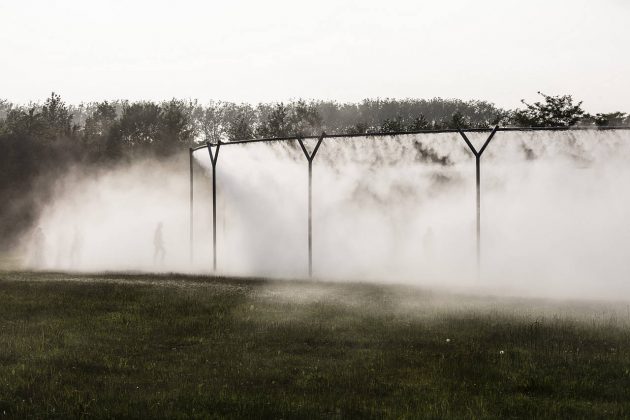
x=56 y=117
x=305 y=118
x=97 y=135
x=294 y=119
x=100 y=120
x=176 y=128
x=210 y=121
x=393 y=125
x=358 y=128
x=419 y=123
x=611 y=119
x=240 y=121
x=276 y=123
x=139 y=124
x=25 y=123
x=458 y=120
x=5 y=107
x=554 y=111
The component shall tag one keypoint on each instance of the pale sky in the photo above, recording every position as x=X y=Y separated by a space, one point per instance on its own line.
x=239 y=50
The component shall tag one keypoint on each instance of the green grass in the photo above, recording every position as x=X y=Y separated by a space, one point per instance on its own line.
x=175 y=346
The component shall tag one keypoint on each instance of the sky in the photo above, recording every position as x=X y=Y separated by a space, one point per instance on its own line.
x=275 y=50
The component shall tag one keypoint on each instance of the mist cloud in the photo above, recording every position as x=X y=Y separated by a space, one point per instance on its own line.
x=398 y=209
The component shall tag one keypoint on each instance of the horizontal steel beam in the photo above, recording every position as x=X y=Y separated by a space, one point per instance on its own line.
x=400 y=133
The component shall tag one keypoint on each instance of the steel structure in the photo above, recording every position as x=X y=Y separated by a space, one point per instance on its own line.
x=309 y=158
x=478 y=183
x=214 y=155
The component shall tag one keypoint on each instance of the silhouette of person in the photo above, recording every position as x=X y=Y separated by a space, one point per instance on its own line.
x=37 y=249
x=75 y=248
x=158 y=244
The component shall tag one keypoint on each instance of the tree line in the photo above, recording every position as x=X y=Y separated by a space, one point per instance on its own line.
x=112 y=130
x=40 y=141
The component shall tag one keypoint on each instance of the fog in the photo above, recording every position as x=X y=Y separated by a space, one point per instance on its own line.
x=393 y=209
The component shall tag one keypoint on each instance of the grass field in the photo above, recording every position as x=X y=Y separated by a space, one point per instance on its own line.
x=176 y=346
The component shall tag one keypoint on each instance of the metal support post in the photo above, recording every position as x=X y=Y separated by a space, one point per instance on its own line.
x=309 y=158
x=190 y=152
x=477 y=155
x=213 y=159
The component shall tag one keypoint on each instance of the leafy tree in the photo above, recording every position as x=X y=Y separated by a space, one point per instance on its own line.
x=5 y=107
x=305 y=118
x=176 y=129
x=139 y=125
x=97 y=135
x=358 y=128
x=240 y=121
x=392 y=126
x=101 y=120
x=211 y=121
x=277 y=122
x=296 y=118
x=419 y=123
x=25 y=123
x=56 y=117
x=611 y=119
x=159 y=129
x=554 y=111
x=458 y=120
x=437 y=112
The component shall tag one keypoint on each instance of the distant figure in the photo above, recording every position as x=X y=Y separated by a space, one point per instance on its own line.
x=158 y=243
x=37 y=249
x=75 y=248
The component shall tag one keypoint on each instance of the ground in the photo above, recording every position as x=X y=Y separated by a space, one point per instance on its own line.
x=177 y=346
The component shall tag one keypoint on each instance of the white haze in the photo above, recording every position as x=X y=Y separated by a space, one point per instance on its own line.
x=554 y=209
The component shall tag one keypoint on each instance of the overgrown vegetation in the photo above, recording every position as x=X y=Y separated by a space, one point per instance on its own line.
x=40 y=141
x=146 y=347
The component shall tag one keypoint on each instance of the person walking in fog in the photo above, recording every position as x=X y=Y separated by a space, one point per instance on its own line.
x=158 y=243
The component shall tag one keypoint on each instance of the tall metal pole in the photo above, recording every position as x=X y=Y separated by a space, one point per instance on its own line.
x=477 y=155
x=478 y=171
x=309 y=158
x=214 y=218
x=191 y=205
x=213 y=159
x=310 y=218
